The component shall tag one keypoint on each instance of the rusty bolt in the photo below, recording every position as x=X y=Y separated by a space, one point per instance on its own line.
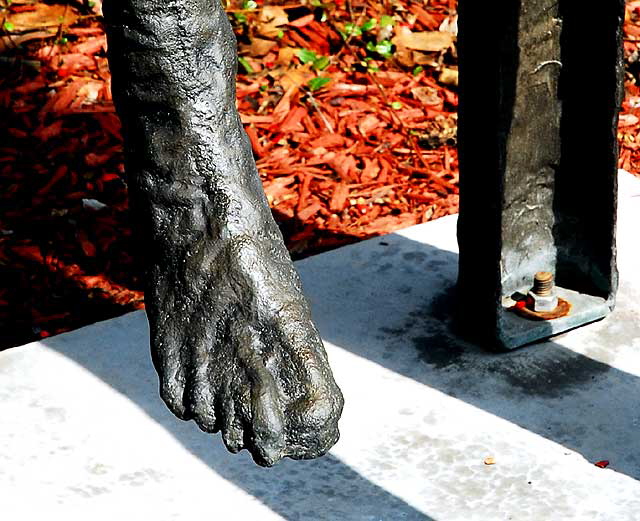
x=543 y=283
x=542 y=296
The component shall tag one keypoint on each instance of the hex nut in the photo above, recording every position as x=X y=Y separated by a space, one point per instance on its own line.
x=543 y=303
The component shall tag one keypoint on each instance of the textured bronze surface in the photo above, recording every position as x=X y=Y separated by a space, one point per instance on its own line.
x=231 y=333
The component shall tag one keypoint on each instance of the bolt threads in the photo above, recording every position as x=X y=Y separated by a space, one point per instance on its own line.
x=543 y=283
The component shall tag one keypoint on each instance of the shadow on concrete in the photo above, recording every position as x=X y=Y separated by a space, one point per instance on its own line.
x=390 y=300
x=324 y=489
x=574 y=400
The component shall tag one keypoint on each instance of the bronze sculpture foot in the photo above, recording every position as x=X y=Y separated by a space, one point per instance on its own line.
x=231 y=333
x=238 y=352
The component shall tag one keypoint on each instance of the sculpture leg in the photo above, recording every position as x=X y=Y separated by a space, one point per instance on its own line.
x=231 y=333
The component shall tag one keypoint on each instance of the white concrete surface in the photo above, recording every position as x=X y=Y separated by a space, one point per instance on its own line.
x=85 y=437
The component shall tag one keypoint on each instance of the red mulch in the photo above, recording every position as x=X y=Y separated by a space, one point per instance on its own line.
x=369 y=151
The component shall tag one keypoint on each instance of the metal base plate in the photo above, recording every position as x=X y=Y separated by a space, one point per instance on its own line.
x=516 y=331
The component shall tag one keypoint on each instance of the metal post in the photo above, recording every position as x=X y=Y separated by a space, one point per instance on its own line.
x=541 y=86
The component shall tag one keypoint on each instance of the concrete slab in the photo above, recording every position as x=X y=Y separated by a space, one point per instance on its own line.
x=423 y=411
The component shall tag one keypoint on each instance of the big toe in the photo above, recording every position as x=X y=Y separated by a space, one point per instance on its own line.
x=313 y=424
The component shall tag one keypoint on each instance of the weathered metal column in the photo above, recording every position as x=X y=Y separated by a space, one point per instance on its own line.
x=541 y=86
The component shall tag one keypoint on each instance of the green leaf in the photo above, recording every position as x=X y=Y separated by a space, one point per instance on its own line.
x=369 y=24
x=386 y=21
x=306 y=56
x=396 y=105
x=280 y=34
x=384 y=48
x=317 y=83
x=352 y=30
x=321 y=63
x=240 y=17
x=8 y=26
x=418 y=70
x=249 y=4
x=245 y=65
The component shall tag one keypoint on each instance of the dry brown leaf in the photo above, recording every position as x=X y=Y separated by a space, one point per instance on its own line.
x=296 y=77
x=285 y=55
x=429 y=59
x=9 y=42
x=270 y=19
x=427 y=95
x=427 y=41
x=44 y=16
x=449 y=76
x=260 y=46
x=450 y=25
x=410 y=58
x=404 y=57
x=274 y=15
